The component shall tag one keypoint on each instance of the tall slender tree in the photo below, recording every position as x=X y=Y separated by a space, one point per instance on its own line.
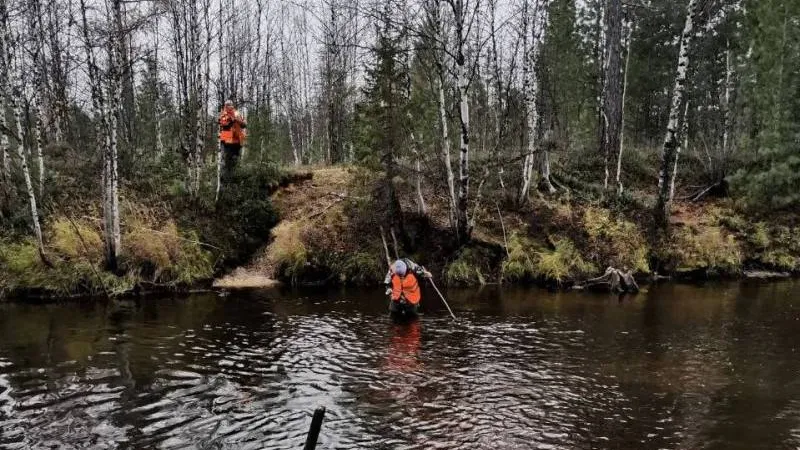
x=671 y=140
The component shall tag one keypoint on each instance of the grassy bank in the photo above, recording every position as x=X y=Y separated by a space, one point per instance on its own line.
x=170 y=241
x=330 y=234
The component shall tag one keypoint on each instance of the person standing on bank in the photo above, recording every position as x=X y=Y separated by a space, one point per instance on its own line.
x=231 y=136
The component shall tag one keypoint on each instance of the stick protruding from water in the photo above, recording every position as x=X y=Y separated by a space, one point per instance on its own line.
x=316 y=426
x=443 y=299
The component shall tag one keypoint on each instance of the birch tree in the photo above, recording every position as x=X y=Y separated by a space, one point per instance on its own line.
x=628 y=44
x=670 y=147
x=439 y=41
x=5 y=175
x=10 y=82
x=534 y=20
x=4 y=126
x=106 y=100
x=612 y=91
x=464 y=14
x=37 y=95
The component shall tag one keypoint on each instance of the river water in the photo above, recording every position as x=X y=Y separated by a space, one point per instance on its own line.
x=678 y=366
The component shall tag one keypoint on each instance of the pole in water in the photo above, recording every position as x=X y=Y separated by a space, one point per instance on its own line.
x=442 y=297
x=316 y=426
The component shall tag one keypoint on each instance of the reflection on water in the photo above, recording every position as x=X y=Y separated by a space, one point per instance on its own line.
x=676 y=367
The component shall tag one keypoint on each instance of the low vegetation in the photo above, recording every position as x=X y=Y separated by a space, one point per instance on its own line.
x=165 y=246
x=337 y=239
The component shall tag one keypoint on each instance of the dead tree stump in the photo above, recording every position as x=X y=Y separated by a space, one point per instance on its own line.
x=614 y=280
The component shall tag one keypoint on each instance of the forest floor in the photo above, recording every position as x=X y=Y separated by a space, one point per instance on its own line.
x=330 y=232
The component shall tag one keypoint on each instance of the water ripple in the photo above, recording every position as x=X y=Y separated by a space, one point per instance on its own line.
x=247 y=373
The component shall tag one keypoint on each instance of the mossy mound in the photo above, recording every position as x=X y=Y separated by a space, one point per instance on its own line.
x=706 y=251
x=150 y=253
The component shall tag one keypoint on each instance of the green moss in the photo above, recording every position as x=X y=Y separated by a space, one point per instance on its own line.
x=613 y=241
x=779 y=249
x=562 y=263
x=287 y=253
x=359 y=268
x=731 y=221
x=76 y=239
x=758 y=237
x=709 y=249
x=781 y=260
x=22 y=269
x=194 y=263
x=520 y=264
x=470 y=268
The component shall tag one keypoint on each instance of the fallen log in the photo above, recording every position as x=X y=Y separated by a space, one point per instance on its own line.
x=615 y=280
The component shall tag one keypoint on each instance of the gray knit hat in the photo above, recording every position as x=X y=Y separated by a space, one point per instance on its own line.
x=400 y=267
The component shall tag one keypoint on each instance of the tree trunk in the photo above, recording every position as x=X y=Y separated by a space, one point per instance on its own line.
x=661 y=213
x=462 y=81
x=58 y=70
x=448 y=167
x=13 y=94
x=422 y=208
x=4 y=143
x=629 y=43
x=26 y=174
x=727 y=121
x=220 y=155
x=612 y=94
x=683 y=146
x=39 y=88
x=114 y=111
x=544 y=167
x=600 y=57
x=5 y=62
x=528 y=93
x=533 y=24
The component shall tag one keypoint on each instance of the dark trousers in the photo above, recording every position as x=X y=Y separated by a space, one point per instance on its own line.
x=403 y=309
x=230 y=157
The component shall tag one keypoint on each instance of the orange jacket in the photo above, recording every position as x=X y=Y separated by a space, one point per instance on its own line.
x=406 y=287
x=231 y=127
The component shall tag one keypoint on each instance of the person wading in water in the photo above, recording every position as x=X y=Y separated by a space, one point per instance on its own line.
x=402 y=284
x=231 y=137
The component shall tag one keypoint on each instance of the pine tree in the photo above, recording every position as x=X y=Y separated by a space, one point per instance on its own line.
x=382 y=118
x=772 y=94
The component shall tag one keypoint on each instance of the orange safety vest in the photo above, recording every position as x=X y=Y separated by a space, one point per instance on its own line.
x=230 y=127
x=407 y=287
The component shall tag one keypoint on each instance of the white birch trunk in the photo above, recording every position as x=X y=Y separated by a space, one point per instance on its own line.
x=612 y=92
x=446 y=150
x=26 y=174
x=34 y=23
x=111 y=210
x=422 y=208
x=5 y=63
x=220 y=154
x=670 y=150
x=684 y=146
x=629 y=43
x=38 y=126
x=463 y=166
x=727 y=117
x=12 y=95
x=4 y=142
x=533 y=29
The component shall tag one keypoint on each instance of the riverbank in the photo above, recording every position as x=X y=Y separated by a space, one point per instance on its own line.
x=322 y=227
x=329 y=234
x=170 y=241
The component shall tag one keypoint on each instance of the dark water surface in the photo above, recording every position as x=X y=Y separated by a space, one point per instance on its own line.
x=676 y=367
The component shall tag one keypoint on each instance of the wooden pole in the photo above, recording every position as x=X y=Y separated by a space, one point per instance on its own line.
x=442 y=297
x=316 y=426
x=386 y=249
x=394 y=241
